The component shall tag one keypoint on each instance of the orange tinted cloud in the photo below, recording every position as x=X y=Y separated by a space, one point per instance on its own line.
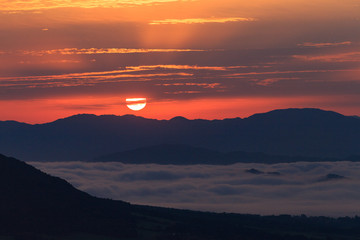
x=201 y=20
x=46 y=4
x=128 y=74
x=270 y=81
x=179 y=67
x=353 y=56
x=182 y=92
x=204 y=85
x=310 y=44
x=83 y=79
x=78 y=51
x=283 y=72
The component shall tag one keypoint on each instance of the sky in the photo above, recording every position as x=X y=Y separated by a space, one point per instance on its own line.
x=286 y=188
x=206 y=59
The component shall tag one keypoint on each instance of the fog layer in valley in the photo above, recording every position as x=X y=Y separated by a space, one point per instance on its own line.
x=330 y=189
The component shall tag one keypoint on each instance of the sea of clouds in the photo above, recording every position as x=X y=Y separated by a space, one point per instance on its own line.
x=287 y=188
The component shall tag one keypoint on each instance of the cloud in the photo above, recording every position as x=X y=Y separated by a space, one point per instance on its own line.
x=203 y=85
x=183 y=67
x=352 y=56
x=182 y=92
x=17 y=5
x=270 y=81
x=202 y=20
x=178 y=75
x=87 y=51
x=222 y=188
x=149 y=175
x=320 y=45
x=140 y=73
x=84 y=79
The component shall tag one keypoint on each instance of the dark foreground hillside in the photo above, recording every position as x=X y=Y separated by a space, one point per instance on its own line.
x=32 y=202
x=35 y=205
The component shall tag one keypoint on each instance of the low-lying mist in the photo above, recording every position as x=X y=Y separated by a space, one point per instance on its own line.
x=329 y=189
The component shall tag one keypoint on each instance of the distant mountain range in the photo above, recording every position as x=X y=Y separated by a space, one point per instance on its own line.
x=305 y=132
x=187 y=155
x=37 y=206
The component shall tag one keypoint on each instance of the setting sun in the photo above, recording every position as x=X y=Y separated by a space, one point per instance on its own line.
x=136 y=104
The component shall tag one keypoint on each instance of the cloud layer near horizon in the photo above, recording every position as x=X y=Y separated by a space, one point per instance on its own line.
x=296 y=188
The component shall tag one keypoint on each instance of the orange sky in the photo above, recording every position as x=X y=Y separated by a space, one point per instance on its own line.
x=47 y=110
x=195 y=58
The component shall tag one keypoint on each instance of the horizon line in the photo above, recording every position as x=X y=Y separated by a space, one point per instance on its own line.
x=176 y=116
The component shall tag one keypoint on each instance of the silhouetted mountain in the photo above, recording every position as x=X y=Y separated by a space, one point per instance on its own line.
x=188 y=155
x=33 y=202
x=306 y=132
x=37 y=206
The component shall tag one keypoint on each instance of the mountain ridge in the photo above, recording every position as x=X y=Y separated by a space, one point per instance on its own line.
x=306 y=132
x=133 y=116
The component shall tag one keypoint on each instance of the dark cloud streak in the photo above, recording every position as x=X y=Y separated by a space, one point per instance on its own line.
x=242 y=73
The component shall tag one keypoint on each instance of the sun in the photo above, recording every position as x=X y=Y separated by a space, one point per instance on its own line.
x=136 y=104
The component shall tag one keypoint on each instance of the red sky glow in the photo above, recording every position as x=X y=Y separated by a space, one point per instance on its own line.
x=197 y=58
